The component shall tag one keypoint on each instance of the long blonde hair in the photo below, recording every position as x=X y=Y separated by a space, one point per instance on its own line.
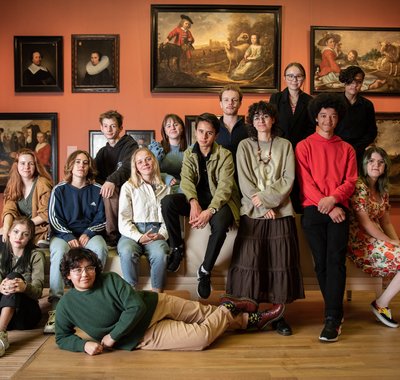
x=136 y=177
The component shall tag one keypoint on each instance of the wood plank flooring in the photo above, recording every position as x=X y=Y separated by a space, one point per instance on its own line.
x=366 y=350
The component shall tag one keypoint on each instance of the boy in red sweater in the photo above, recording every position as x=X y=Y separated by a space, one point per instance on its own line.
x=327 y=173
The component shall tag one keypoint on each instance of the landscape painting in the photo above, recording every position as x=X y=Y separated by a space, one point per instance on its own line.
x=202 y=48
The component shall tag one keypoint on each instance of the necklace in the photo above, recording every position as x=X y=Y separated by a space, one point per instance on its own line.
x=268 y=159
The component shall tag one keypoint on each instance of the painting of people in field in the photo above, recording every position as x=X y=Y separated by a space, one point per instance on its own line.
x=375 y=50
x=203 y=49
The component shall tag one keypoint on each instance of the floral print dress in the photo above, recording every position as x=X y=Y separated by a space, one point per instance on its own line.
x=377 y=257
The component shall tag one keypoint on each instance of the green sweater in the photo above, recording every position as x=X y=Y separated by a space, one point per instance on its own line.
x=110 y=307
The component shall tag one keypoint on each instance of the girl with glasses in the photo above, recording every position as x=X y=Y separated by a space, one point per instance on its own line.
x=265 y=263
x=294 y=121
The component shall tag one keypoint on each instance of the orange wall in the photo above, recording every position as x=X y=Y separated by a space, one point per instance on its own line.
x=131 y=20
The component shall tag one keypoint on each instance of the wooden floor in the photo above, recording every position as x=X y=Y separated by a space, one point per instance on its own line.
x=365 y=350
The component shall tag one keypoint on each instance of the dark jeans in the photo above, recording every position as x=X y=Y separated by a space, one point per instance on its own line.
x=328 y=243
x=27 y=311
x=174 y=205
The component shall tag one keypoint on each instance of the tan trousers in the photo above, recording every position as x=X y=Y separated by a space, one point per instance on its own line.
x=179 y=324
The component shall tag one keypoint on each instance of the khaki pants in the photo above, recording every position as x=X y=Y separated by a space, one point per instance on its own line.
x=179 y=324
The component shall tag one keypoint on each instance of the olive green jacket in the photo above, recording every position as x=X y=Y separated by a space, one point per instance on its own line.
x=220 y=172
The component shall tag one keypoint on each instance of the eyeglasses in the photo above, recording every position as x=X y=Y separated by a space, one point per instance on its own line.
x=78 y=271
x=355 y=82
x=260 y=117
x=293 y=77
x=371 y=161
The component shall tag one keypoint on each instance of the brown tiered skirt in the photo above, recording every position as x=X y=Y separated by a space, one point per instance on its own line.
x=265 y=262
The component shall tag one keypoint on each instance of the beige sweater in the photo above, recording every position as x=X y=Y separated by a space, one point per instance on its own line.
x=272 y=182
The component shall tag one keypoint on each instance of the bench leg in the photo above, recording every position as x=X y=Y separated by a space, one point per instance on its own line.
x=348 y=295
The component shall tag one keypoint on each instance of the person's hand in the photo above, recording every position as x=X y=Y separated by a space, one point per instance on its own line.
x=202 y=220
x=337 y=215
x=255 y=199
x=4 y=233
x=149 y=236
x=5 y=287
x=93 y=348
x=107 y=341
x=270 y=214
x=107 y=190
x=19 y=285
x=195 y=211
x=83 y=240
x=172 y=182
x=325 y=205
x=74 y=243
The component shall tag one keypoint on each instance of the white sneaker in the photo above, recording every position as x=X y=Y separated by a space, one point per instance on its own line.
x=4 y=344
x=50 y=326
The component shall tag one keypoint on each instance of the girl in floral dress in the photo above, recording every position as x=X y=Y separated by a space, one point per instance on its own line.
x=373 y=243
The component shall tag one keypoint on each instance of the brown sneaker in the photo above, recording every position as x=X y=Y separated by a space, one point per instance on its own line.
x=243 y=304
x=269 y=316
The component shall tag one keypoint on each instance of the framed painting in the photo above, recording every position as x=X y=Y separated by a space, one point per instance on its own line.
x=35 y=131
x=389 y=139
x=95 y=63
x=143 y=138
x=190 y=127
x=375 y=50
x=38 y=64
x=201 y=48
x=96 y=141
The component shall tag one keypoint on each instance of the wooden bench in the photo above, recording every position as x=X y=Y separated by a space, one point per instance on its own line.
x=196 y=241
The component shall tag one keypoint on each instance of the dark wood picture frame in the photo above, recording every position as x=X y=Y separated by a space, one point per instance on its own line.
x=389 y=139
x=34 y=74
x=14 y=135
x=95 y=62
x=142 y=137
x=375 y=50
x=222 y=35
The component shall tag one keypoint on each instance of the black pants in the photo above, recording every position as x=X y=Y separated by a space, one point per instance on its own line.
x=174 y=205
x=328 y=243
x=27 y=311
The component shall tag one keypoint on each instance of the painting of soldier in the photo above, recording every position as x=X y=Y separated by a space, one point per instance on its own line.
x=202 y=48
x=375 y=50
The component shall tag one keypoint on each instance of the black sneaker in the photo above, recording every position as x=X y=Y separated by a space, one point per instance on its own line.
x=331 y=331
x=204 y=286
x=174 y=259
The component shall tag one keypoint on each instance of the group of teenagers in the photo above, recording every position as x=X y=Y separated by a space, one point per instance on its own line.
x=293 y=154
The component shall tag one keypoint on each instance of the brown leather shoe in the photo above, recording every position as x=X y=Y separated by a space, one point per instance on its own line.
x=243 y=304
x=271 y=315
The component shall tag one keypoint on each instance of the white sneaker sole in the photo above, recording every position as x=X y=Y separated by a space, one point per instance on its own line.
x=381 y=319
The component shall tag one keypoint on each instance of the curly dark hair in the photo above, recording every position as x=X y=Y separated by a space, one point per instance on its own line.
x=347 y=75
x=72 y=259
x=209 y=118
x=265 y=108
x=327 y=100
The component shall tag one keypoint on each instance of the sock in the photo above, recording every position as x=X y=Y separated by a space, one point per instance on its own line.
x=254 y=318
x=230 y=306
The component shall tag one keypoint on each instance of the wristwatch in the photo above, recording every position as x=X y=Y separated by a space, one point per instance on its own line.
x=212 y=210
